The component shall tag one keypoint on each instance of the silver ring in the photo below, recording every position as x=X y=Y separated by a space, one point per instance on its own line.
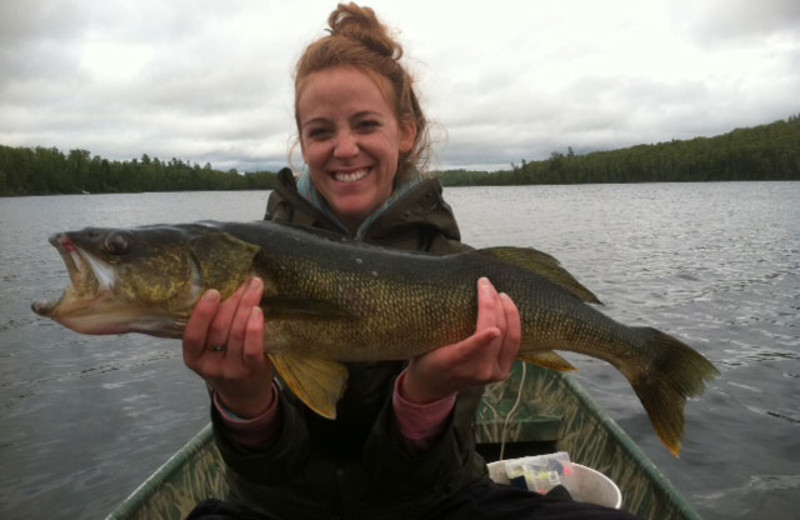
x=221 y=348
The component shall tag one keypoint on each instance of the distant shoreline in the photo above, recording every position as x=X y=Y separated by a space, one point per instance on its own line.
x=762 y=153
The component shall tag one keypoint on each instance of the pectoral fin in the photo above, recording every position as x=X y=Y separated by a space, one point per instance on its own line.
x=278 y=306
x=548 y=359
x=317 y=382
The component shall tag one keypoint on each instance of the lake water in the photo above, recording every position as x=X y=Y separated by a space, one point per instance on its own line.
x=86 y=419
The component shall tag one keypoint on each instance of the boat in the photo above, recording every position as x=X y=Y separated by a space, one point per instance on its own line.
x=534 y=411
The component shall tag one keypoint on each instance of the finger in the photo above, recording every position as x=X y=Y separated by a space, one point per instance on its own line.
x=513 y=335
x=194 y=337
x=491 y=316
x=251 y=297
x=220 y=327
x=253 y=351
x=471 y=350
x=499 y=310
x=488 y=304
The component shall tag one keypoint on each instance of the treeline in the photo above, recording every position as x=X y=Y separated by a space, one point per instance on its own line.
x=767 y=152
x=43 y=171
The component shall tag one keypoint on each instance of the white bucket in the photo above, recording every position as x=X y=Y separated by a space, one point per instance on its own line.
x=588 y=485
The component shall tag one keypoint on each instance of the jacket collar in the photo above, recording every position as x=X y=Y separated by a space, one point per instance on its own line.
x=417 y=201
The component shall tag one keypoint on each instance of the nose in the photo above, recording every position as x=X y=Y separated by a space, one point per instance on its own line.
x=345 y=145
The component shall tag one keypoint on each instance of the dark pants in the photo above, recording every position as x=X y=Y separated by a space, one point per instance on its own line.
x=479 y=501
x=487 y=500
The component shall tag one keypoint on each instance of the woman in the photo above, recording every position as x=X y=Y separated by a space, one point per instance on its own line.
x=402 y=445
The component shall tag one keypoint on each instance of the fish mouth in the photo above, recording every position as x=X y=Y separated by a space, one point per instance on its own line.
x=91 y=281
x=97 y=299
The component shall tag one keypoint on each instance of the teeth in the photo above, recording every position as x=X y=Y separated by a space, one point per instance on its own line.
x=351 y=176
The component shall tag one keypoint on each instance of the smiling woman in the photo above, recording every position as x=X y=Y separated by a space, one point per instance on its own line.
x=398 y=440
x=351 y=141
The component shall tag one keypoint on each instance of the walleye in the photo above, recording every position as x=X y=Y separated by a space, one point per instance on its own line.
x=329 y=300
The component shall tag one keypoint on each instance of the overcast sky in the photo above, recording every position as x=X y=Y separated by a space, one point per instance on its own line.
x=210 y=80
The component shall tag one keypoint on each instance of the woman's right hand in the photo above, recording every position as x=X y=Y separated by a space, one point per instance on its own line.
x=484 y=357
x=224 y=344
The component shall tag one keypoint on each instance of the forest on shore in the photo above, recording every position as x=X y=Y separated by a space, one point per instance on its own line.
x=49 y=171
x=768 y=152
x=765 y=152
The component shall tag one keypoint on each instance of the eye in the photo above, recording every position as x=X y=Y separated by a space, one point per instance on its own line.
x=117 y=243
x=368 y=125
x=318 y=134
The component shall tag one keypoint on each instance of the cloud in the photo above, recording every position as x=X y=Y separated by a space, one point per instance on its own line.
x=211 y=81
x=730 y=22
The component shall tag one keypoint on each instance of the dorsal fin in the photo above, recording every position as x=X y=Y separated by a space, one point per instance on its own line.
x=542 y=264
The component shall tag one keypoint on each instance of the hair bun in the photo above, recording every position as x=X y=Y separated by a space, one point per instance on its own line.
x=361 y=24
x=357 y=39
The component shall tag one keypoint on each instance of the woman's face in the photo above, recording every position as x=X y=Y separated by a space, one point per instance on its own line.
x=351 y=141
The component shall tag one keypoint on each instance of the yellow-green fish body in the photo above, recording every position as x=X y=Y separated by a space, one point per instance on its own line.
x=329 y=300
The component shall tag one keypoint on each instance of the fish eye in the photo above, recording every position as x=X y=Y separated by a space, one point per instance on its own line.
x=117 y=243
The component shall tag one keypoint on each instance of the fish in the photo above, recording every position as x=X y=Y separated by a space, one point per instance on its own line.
x=330 y=300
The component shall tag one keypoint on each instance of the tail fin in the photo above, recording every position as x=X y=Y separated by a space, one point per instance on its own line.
x=677 y=372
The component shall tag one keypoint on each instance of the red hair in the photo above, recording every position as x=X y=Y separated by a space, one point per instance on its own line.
x=357 y=39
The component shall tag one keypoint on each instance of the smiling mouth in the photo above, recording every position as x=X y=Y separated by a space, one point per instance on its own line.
x=351 y=176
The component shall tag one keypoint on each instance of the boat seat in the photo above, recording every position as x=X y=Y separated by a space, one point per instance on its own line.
x=530 y=429
x=527 y=425
x=529 y=432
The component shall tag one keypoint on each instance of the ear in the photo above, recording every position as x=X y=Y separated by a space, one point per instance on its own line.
x=408 y=135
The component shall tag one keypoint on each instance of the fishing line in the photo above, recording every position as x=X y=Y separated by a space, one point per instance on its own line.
x=511 y=412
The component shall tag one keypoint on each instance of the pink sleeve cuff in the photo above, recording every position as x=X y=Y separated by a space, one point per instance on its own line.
x=258 y=432
x=420 y=425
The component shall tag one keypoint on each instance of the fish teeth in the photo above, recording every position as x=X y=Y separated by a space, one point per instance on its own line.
x=72 y=259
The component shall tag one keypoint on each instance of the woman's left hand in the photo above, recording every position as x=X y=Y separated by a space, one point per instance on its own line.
x=485 y=357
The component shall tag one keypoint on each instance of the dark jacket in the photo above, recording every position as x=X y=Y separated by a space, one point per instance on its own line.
x=356 y=466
